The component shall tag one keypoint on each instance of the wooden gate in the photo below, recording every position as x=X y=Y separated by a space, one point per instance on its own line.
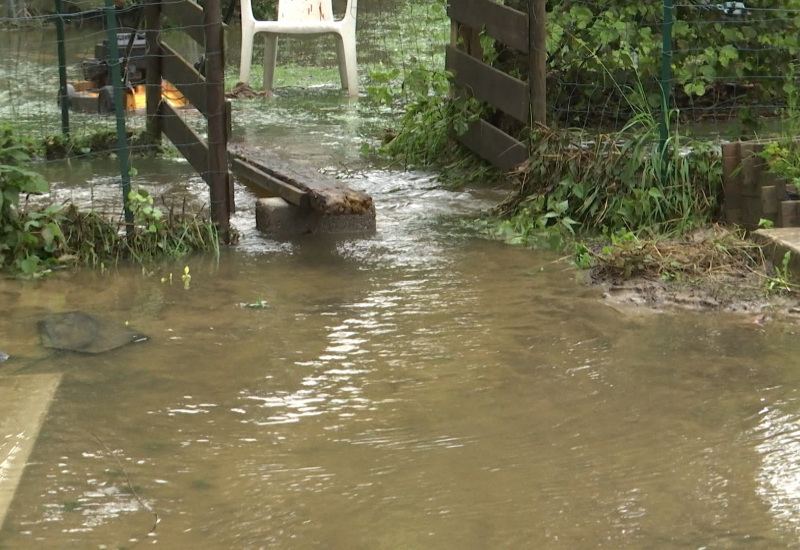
x=203 y=88
x=523 y=101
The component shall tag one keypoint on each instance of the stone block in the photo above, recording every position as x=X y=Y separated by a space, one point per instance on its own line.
x=279 y=220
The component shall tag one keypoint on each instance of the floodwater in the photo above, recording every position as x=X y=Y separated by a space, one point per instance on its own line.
x=416 y=388
x=411 y=389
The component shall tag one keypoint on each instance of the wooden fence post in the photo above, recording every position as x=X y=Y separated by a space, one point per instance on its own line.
x=152 y=11
x=537 y=56
x=219 y=179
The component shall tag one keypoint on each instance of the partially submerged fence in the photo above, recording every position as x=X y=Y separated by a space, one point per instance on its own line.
x=123 y=61
x=202 y=85
x=521 y=99
x=721 y=67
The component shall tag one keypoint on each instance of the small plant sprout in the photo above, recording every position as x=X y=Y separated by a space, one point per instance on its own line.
x=258 y=304
x=186 y=278
x=781 y=281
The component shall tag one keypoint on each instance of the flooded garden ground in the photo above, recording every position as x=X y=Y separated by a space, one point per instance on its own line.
x=416 y=388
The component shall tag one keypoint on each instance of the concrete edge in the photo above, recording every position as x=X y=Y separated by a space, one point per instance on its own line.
x=24 y=402
x=775 y=243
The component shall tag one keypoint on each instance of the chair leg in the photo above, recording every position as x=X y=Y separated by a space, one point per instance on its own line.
x=270 y=58
x=348 y=67
x=246 y=56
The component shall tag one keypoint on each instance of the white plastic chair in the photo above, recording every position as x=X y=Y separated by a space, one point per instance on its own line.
x=299 y=17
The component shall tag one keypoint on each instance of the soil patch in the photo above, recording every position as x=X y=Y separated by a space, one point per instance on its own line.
x=243 y=91
x=714 y=269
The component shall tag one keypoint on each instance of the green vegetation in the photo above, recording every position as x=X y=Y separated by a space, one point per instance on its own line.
x=627 y=202
x=717 y=56
x=102 y=141
x=610 y=183
x=35 y=240
x=781 y=279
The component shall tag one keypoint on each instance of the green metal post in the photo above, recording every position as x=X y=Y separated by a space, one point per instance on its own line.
x=63 y=98
x=666 y=71
x=114 y=64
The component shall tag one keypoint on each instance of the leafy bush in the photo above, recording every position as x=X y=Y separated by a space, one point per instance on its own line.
x=34 y=240
x=597 y=50
x=24 y=236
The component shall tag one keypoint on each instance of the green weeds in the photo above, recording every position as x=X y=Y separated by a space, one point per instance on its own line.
x=100 y=142
x=35 y=240
x=615 y=182
x=781 y=279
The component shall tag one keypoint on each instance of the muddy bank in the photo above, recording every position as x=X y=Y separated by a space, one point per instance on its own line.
x=714 y=269
x=719 y=295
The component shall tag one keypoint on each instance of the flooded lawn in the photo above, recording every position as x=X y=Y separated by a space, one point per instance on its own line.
x=416 y=388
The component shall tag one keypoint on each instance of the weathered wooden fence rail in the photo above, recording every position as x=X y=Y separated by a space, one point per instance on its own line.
x=524 y=101
x=203 y=88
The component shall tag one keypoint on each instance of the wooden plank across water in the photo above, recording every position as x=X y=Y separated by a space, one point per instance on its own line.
x=297 y=185
x=270 y=183
x=24 y=402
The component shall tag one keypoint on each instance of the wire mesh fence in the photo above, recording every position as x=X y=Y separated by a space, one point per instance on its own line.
x=392 y=33
x=728 y=67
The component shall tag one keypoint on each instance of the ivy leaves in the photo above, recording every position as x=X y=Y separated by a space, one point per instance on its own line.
x=590 y=44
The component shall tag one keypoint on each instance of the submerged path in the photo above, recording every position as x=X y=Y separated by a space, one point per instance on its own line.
x=24 y=402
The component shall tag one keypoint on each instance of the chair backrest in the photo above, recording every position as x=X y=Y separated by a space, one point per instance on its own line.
x=305 y=10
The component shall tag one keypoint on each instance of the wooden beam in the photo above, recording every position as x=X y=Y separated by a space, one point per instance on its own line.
x=191 y=146
x=152 y=11
x=325 y=194
x=537 y=61
x=186 y=15
x=494 y=145
x=181 y=74
x=502 y=23
x=271 y=184
x=500 y=90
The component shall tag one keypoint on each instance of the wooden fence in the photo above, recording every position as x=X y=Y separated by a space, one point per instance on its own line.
x=204 y=90
x=523 y=101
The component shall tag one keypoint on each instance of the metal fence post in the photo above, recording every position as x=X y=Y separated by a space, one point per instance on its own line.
x=63 y=98
x=114 y=63
x=666 y=71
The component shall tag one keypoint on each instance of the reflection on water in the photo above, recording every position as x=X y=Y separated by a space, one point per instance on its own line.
x=407 y=390
x=778 y=436
x=410 y=389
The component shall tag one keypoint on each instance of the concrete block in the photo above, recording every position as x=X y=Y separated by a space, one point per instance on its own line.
x=277 y=219
x=776 y=243
x=24 y=402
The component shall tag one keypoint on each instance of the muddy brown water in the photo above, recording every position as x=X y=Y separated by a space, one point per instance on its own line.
x=409 y=390
x=412 y=389
x=417 y=388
